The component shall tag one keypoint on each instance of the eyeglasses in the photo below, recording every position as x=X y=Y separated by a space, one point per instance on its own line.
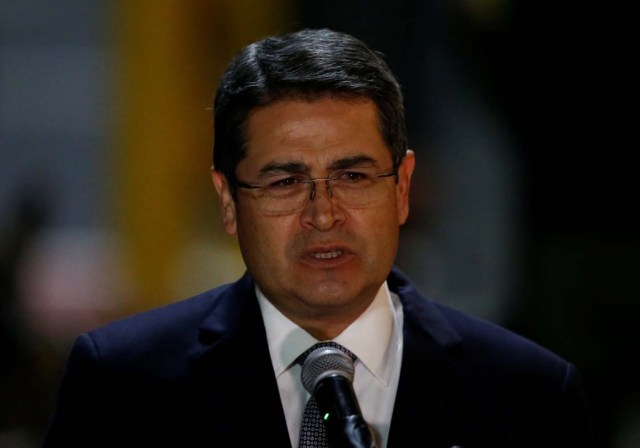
x=353 y=188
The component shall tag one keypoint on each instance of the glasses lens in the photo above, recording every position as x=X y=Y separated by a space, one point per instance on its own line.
x=284 y=195
x=356 y=188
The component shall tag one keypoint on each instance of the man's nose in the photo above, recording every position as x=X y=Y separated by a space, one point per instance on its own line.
x=322 y=211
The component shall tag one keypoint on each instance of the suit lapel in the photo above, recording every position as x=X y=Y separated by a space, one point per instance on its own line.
x=428 y=404
x=236 y=390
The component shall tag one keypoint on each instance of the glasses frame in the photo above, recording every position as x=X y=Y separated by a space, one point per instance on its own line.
x=312 y=183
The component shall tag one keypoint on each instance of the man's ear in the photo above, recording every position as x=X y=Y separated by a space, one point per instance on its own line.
x=404 y=183
x=227 y=202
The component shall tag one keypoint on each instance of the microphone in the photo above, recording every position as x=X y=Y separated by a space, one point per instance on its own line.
x=327 y=374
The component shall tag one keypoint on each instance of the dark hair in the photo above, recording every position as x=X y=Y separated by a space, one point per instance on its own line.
x=308 y=64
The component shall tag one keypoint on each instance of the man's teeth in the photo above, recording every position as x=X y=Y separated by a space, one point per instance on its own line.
x=331 y=254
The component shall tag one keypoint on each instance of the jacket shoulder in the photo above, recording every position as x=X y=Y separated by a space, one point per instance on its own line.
x=153 y=336
x=475 y=343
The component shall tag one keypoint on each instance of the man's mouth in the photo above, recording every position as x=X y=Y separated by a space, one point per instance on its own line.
x=327 y=255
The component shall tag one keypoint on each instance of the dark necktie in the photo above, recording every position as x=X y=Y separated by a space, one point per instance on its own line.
x=312 y=431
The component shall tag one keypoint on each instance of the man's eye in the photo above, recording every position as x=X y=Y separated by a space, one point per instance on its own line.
x=284 y=183
x=353 y=176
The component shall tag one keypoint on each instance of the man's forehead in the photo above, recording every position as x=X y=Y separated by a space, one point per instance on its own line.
x=288 y=113
x=328 y=133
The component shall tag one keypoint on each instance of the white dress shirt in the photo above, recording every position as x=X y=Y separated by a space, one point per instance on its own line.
x=375 y=338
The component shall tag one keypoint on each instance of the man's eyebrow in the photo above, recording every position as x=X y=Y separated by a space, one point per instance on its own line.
x=353 y=161
x=274 y=168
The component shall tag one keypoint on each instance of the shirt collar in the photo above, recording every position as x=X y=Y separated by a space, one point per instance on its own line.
x=367 y=337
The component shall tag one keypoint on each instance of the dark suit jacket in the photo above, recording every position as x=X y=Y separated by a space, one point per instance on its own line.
x=198 y=373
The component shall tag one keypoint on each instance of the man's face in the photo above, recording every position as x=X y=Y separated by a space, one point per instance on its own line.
x=326 y=261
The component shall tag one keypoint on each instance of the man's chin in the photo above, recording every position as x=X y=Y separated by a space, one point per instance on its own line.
x=329 y=294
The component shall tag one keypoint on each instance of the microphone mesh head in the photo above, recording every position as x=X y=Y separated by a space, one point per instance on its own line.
x=324 y=361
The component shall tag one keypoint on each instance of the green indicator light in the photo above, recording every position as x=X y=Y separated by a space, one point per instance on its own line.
x=326 y=416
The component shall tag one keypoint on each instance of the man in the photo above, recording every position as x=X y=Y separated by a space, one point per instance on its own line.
x=313 y=171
